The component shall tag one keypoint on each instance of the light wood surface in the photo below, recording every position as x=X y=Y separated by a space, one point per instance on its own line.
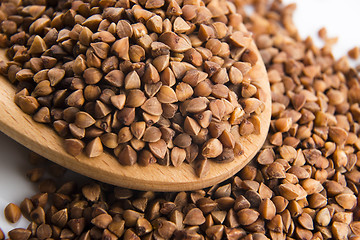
x=44 y=141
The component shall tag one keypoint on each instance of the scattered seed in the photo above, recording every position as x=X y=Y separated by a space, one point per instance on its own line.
x=19 y=233
x=12 y=213
x=176 y=43
x=247 y=216
x=212 y=148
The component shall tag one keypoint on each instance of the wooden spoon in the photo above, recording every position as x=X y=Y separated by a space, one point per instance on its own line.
x=44 y=141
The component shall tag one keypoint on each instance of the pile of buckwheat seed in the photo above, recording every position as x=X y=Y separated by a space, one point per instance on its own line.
x=152 y=81
x=304 y=183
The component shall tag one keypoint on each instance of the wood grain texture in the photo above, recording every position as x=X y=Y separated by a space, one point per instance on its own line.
x=44 y=141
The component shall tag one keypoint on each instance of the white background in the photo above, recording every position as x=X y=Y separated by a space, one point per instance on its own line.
x=341 y=18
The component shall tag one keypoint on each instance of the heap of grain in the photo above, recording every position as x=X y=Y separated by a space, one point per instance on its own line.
x=304 y=184
x=153 y=81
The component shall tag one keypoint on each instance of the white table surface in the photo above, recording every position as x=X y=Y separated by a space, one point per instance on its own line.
x=340 y=19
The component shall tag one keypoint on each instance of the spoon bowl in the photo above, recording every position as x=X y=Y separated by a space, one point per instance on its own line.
x=44 y=141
